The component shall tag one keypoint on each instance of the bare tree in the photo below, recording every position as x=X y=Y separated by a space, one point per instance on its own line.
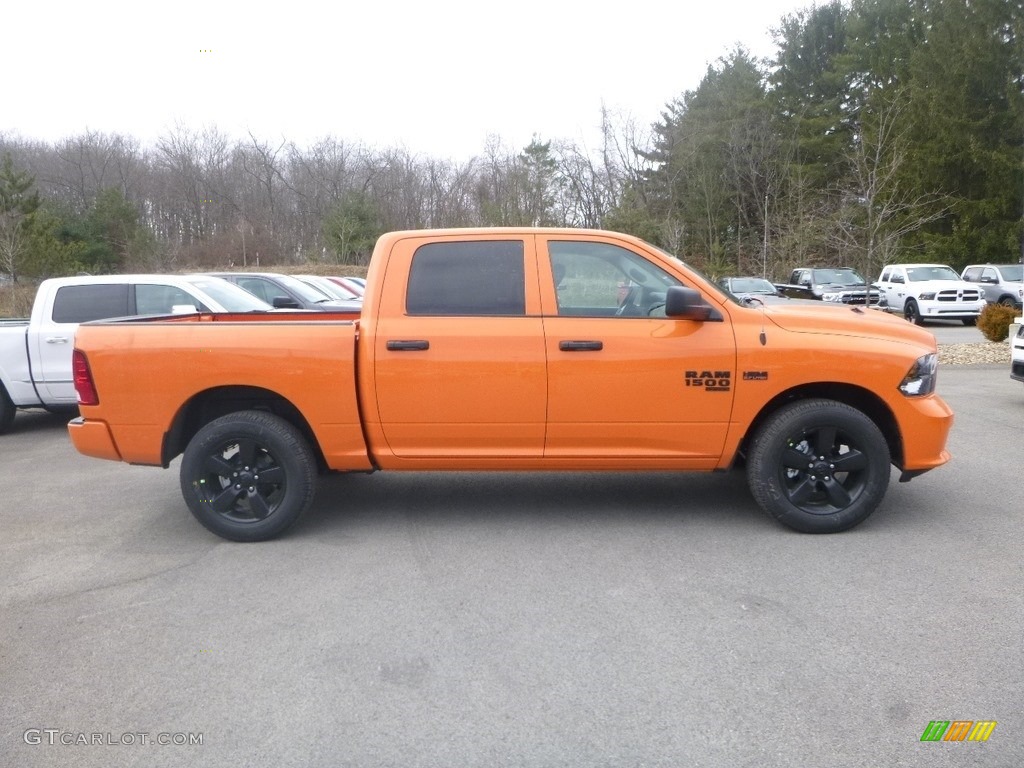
x=93 y=162
x=875 y=210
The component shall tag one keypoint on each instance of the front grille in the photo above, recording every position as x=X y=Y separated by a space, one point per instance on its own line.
x=956 y=295
x=859 y=298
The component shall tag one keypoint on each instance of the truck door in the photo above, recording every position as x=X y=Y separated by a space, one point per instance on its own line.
x=624 y=381
x=54 y=337
x=892 y=282
x=459 y=367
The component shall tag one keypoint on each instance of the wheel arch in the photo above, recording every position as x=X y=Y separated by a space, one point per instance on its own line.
x=205 y=406
x=862 y=399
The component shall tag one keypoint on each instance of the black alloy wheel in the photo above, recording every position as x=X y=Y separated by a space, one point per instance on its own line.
x=819 y=466
x=248 y=476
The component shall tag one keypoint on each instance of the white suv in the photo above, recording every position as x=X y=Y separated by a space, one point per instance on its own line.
x=930 y=292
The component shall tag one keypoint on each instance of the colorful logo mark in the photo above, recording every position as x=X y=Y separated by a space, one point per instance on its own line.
x=958 y=730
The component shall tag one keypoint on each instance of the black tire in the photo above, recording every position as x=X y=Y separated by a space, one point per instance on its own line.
x=7 y=410
x=912 y=313
x=818 y=466
x=1007 y=301
x=248 y=476
x=969 y=320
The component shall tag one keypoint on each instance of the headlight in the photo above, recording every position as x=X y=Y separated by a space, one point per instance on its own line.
x=920 y=379
x=831 y=297
x=927 y=296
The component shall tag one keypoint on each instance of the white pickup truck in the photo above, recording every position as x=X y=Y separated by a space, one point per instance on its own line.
x=930 y=292
x=35 y=353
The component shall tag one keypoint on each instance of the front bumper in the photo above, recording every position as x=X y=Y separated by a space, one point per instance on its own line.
x=924 y=424
x=952 y=310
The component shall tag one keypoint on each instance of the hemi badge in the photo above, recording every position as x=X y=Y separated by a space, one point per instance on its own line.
x=755 y=375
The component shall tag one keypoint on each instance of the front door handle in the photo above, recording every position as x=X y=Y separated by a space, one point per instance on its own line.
x=580 y=346
x=408 y=346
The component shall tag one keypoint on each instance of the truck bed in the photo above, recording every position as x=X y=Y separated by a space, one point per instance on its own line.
x=140 y=364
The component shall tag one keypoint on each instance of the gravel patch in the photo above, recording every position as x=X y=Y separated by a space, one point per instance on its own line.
x=978 y=353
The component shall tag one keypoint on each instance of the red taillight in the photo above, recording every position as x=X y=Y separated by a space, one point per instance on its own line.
x=83 y=379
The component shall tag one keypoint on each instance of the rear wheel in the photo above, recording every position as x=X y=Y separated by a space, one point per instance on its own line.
x=248 y=476
x=7 y=410
x=819 y=466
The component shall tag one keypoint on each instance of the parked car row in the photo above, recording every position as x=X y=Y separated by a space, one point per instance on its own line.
x=290 y=292
x=919 y=292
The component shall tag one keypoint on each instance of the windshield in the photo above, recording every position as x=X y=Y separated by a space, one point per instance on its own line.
x=750 y=285
x=333 y=290
x=922 y=274
x=231 y=297
x=838 y=277
x=306 y=291
x=1013 y=273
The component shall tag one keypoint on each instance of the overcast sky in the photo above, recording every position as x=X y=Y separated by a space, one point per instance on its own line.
x=435 y=77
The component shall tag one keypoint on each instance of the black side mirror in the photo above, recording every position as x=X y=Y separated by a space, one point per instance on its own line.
x=283 y=302
x=688 y=304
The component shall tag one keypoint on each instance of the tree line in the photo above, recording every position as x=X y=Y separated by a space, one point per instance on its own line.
x=879 y=130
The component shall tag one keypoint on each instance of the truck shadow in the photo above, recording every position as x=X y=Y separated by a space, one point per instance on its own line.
x=455 y=498
x=29 y=421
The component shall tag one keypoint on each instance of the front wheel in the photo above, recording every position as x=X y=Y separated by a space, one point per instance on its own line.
x=912 y=313
x=1007 y=301
x=248 y=476
x=969 y=320
x=818 y=466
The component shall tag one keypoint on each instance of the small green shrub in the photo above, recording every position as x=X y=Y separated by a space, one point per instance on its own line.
x=994 y=321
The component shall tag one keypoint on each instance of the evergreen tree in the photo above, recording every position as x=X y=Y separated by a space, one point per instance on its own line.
x=18 y=206
x=352 y=227
x=967 y=108
x=810 y=89
x=715 y=153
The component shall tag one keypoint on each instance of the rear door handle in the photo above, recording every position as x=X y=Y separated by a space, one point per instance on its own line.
x=56 y=339
x=581 y=346
x=408 y=346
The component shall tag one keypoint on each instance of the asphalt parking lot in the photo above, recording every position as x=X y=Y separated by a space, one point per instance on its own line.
x=514 y=620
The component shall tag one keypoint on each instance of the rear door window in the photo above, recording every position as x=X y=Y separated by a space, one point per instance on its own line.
x=83 y=303
x=468 y=278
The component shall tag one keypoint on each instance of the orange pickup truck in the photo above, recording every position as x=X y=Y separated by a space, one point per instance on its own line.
x=517 y=349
